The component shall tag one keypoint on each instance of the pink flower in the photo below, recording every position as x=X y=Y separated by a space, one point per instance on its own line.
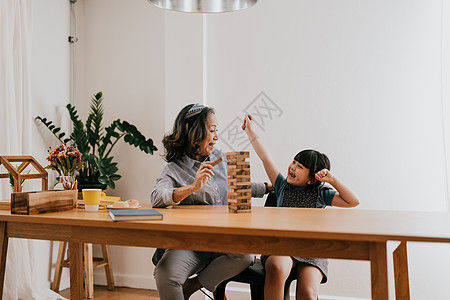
x=66 y=160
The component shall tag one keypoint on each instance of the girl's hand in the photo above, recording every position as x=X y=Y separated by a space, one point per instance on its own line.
x=204 y=173
x=325 y=175
x=248 y=123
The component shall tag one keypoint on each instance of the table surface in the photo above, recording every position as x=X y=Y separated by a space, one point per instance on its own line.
x=336 y=224
x=334 y=233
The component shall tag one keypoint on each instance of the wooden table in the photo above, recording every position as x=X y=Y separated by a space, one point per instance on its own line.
x=333 y=233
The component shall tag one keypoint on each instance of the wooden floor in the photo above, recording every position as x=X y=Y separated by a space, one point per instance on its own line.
x=120 y=293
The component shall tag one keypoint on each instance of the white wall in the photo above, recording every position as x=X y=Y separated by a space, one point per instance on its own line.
x=50 y=93
x=121 y=52
x=358 y=80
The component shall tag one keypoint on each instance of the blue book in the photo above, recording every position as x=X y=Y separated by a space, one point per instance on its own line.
x=135 y=214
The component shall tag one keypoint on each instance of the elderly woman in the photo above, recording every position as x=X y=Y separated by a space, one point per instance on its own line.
x=188 y=178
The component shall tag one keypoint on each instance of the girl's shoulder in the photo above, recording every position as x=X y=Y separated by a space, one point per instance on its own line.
x=280 y=183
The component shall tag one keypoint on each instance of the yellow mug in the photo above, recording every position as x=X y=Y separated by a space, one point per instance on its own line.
x=91 y=198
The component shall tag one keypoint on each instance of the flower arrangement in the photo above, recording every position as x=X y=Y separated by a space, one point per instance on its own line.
x=66 y=160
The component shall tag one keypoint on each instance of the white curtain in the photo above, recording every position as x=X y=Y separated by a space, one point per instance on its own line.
x=21 y=280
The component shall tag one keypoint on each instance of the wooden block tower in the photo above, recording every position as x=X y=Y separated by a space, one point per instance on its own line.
x=240 y=194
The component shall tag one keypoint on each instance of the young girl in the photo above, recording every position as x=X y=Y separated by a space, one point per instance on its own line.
x=303 y=187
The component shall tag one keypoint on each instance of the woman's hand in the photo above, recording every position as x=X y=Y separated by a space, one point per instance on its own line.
x=204 y=173
x=325 y=175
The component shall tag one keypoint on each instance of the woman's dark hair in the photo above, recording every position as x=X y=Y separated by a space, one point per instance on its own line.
x=186 y=134
x=314 y=161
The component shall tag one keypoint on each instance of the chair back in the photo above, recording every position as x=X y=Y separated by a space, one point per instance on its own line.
x=271 y=200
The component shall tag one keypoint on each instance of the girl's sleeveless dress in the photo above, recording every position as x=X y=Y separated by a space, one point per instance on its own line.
x=307 y=199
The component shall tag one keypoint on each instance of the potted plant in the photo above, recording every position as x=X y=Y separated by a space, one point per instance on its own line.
x=96 y=142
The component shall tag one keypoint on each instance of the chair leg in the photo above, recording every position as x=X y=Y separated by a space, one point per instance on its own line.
x=257 y=291
x=108 y=269
x=88 y=271
x=59 y=266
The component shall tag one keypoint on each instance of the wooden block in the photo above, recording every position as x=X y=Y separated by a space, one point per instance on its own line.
x=244 y=191
x=30 y=203
x=216 y=162
x=242 y=180
x=245 y=176
x=243 y=211
x=237 y=211
x=242 y=202
x=246 y=154
x=241 y=206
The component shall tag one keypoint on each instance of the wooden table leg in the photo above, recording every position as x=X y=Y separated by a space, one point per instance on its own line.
x=401 y=272
x=379 y=272
x=76 y=270
x=3 y=253
x=88 y=271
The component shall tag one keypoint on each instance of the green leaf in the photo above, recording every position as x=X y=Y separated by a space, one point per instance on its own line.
x=111 y=170
x=50 y=126
x=111 y=184
x=115 y=177
x=103 y=179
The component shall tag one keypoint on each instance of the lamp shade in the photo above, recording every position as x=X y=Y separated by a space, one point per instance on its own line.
x=203 y=6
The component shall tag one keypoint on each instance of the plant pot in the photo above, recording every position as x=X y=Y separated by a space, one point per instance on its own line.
x=90 y=185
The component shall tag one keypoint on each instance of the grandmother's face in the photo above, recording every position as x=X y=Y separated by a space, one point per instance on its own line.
x=208 y=143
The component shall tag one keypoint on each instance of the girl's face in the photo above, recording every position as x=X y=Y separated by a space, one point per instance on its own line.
x=298 y=175
x=207 y=144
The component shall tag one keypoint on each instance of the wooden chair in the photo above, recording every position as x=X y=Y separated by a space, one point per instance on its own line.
x=90 y=263
x=255 y=275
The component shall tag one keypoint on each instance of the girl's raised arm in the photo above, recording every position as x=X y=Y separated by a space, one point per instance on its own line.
x=271 y=170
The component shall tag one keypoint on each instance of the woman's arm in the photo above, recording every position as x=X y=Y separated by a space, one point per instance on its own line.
x=271 y=170
x=165 y=194
x=204 y=173
x=344 y=197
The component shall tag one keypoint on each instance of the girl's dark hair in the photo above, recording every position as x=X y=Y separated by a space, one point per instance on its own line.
x=186 y=134
x=314 y=161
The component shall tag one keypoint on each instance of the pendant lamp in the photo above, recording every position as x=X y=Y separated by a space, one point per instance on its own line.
x=203 y=6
